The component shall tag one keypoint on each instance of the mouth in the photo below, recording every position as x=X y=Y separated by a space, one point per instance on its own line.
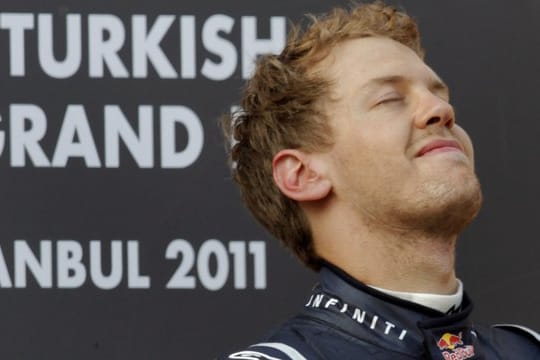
x=441 y=145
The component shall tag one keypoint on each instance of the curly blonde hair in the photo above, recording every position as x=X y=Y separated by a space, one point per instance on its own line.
x=279 y=111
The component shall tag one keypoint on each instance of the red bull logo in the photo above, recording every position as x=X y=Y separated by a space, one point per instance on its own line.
x=452 y=347
x=449 y=341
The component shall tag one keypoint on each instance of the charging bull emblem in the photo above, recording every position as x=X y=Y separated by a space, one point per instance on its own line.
x=449 y=341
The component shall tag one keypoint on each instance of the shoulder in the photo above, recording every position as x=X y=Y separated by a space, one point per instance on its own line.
x=288 y=342
x=268 y=351
x=302 y=338
x=512 y=341
x=520 y=330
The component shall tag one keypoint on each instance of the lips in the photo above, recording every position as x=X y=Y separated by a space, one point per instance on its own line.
x=440 y=145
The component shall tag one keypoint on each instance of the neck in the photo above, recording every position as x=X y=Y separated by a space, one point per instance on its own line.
x=390 y=258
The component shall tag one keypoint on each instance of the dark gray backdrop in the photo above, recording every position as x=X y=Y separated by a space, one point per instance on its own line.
x=487 y=51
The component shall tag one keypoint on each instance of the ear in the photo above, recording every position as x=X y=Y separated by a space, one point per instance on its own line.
x=298 y=177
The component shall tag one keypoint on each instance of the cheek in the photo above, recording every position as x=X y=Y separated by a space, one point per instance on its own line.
x=384 y=137
x=368 y=145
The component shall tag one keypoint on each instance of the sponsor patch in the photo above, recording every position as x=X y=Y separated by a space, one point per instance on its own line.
x=453 y=348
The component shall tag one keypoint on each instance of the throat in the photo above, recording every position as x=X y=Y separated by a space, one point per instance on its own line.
x=401 y=263
x=389 y=257
x=417 y=265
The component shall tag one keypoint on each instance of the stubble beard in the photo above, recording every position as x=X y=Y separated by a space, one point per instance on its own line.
x=440 y=209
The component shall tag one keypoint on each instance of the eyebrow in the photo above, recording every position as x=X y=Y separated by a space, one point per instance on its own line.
x=434 y=83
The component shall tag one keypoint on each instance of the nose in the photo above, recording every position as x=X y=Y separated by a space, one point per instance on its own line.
x=432 y=111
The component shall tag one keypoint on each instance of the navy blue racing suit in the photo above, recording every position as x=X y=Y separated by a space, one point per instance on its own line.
x=347 y=320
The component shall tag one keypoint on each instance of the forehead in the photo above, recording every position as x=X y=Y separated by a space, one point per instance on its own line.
x=354 y=64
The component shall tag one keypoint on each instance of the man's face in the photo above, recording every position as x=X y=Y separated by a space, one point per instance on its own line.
x=399 y=158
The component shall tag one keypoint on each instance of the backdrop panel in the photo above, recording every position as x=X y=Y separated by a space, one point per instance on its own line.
x=123 y=235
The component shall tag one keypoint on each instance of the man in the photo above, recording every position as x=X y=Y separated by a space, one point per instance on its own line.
x=347 y=149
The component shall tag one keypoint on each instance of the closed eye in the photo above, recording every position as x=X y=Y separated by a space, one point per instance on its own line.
x=389 y=100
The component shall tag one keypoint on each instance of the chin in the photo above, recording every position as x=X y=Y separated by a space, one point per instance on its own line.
x=445 y=208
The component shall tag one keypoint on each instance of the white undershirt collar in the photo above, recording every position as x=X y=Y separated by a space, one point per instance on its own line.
x=442 y=303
